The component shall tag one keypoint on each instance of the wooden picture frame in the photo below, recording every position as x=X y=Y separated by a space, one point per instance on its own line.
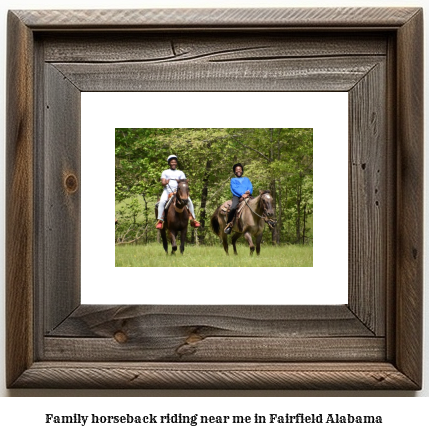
x=373 y=342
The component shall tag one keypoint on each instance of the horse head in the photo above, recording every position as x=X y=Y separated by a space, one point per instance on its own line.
x=182 y=193
x=266 y=203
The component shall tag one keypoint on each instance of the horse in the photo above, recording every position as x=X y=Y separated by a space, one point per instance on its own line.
x=256 y=212
x=176 y=219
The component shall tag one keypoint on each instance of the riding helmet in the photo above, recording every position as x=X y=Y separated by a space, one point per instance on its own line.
x=237 y=165
x=172 y=156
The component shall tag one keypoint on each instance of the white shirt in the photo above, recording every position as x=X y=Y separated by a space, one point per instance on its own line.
x=172 y=174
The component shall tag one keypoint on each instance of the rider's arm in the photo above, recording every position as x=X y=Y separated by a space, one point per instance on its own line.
x=164 y=182
x=235 y=188
x=250 y=187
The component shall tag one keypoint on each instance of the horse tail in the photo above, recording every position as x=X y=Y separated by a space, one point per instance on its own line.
x=214 y=222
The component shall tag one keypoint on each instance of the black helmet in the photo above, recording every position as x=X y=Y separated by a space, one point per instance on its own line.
x=237 y=165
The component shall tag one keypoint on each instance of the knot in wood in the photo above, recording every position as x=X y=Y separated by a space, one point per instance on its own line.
x=193 y=337
x=71 y=183
x=120 y=337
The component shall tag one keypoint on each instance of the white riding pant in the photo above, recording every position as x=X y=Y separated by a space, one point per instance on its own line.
x=164 y=199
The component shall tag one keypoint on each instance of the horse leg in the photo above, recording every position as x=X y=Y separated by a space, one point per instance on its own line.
x=221 y=233
x=173 y=241
x=235 y=236
x=258 y=244
x=248 y=237
x=224 y=241
x=164 y=240
x=182 y=239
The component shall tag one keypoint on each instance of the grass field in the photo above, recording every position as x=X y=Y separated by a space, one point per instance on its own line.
x=153 y=255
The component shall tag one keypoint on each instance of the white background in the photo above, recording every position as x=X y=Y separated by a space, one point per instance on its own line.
x=402 y=414
x=325 y=112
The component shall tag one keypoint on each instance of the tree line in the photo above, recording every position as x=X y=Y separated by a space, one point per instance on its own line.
x=277 y=159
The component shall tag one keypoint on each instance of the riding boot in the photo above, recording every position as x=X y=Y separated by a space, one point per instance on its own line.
x=229 y=225
x=160 y=223
x=194 y=222
x=231 y=214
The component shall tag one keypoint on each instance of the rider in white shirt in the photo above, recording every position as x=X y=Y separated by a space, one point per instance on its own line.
x=168 y=181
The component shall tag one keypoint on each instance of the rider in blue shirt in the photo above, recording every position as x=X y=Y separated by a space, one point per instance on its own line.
x=240 y=187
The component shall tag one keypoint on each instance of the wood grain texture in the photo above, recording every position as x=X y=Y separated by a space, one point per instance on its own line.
x=213 y=333
x=19 y=200
x=391 y=192
x=191 y=347
x=99 y=321
x=61 y=186
x=209 y=18
x=330 y=74
x=410 y=198
x=368 y=203
x=39 y=200
x=178 y=47
x=302 y=375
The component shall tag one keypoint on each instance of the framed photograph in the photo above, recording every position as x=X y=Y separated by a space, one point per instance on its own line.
x=140 y=158
x=373 y=341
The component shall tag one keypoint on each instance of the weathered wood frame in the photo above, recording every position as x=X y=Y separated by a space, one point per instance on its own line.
x=374 y=342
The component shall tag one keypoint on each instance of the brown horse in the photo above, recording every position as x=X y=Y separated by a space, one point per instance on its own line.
x=255 y=213
x=177 y=217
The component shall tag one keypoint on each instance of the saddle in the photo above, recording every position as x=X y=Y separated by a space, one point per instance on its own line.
x=225 y=208
x=171 y=196
x=167 y=205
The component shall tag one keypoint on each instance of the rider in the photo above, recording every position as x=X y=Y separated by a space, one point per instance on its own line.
x=240 y=187
x=168 y=181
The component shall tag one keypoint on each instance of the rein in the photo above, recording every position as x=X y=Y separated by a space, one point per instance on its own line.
x=176 y=208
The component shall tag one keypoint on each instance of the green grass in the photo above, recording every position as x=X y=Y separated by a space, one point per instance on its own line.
x=153 y=255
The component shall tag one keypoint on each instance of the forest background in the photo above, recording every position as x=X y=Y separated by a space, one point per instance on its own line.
x=277 y=159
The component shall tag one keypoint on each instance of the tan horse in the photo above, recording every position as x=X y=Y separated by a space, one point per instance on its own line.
x=256 y=212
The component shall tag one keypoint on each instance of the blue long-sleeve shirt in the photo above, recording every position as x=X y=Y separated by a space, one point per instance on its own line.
x=239 y=185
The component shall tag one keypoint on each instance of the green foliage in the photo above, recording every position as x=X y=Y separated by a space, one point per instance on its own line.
x=276 y=159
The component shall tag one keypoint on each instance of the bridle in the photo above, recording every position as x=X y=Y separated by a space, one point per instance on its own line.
x=271 y=223
x=179 y=205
